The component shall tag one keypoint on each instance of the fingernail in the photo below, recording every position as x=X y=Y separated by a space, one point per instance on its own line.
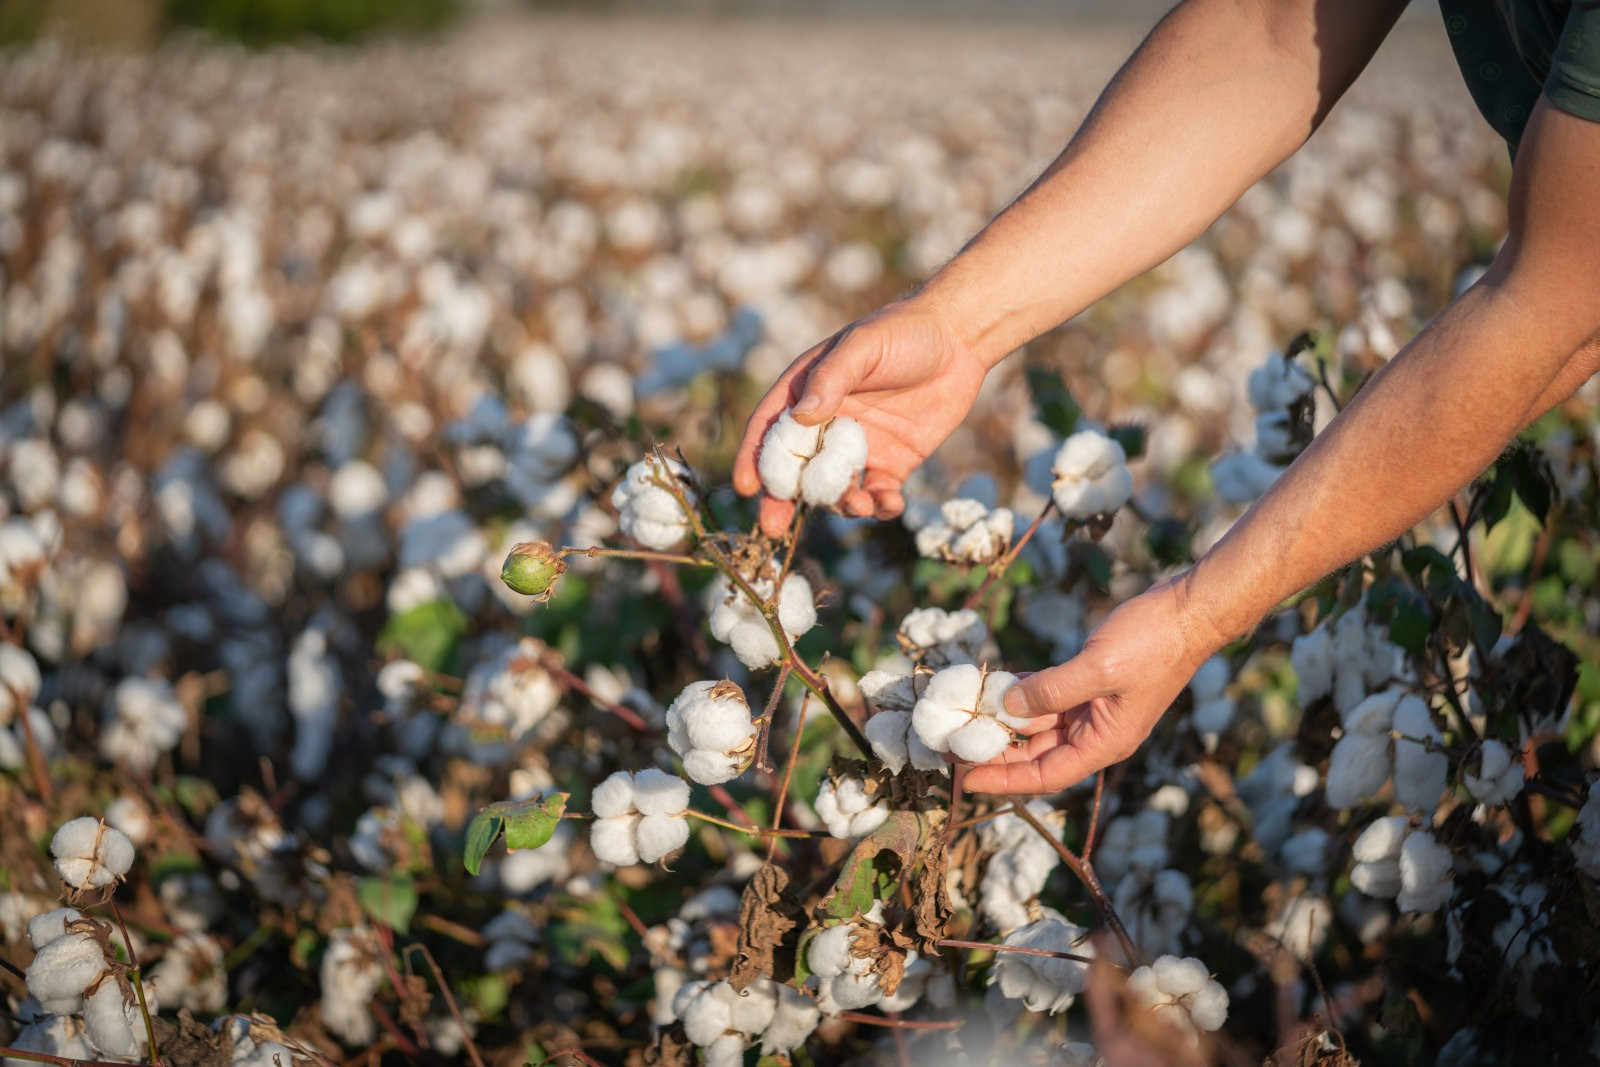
x=1016 y=702
x=807 y=405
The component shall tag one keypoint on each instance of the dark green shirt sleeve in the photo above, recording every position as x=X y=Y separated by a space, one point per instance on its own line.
x=1574 y=81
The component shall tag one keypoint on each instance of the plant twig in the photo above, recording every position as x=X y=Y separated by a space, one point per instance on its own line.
x=1001 y=565
x=449 y=997
x=1085 y=872
x=763 y=761
x=553 y=666
x=138 y=985
x=903 y=1024
x=45 y=1057
x=13 y=969
x=36 y=764
x=1094 y=815
x=576 y=1052
x=1021 y=950
x=637 y=553
x=754 y=831
x=788 y=773
x=986 y=817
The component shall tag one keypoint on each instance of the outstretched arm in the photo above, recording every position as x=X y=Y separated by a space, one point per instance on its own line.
x=1430 y=421
x=1218 y=94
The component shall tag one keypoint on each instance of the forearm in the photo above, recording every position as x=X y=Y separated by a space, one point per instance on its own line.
x=1424 y=426
x=1219 y=94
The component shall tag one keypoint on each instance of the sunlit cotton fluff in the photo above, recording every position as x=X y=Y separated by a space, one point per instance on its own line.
x=1394 y=860
x=639 y=817
x=709 y=727
x=1091 y=475
x=962 y=712
x=143 y=720
x=845 y=980
x=889 y=730
x=1499 y=775
x=815 y=464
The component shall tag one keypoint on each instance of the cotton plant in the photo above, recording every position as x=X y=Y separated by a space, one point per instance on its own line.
x=1091 y=476
x=742 y=623
x=848 y=808
x=844 y=972
x=1281 y=392
x=1498 y=777
x=889 y=731
x=1020 y=863
x=722 y=1020
x=1213 y=708
x=351 y=974
x=143 y=720
x=1155 y=907
x=647 y=511
x=939 y=638
x=1389 y=734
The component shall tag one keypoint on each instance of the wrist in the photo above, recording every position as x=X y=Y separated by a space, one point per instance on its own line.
x=974 y=319
x=1215 y=618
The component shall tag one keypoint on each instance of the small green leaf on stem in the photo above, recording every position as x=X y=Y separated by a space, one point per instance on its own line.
x=391 y=900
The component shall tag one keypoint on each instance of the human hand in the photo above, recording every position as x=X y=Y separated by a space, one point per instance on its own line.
x=902 y=372
x=1098 y=707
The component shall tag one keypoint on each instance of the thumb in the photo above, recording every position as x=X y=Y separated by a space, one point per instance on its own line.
x=1059 y=689
x=831 y=379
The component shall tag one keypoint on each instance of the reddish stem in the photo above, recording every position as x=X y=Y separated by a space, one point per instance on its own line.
x=1004 y=563
x=1085 y=872
x=1020 y=950
x=903 y=1024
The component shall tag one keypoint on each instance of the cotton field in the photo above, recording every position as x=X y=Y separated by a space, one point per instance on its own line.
x=389 y=673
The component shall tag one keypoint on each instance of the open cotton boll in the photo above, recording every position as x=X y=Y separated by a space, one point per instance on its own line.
x=837 y=464
x=784 y=452
x=709 y=727
x=63 y=969
x=1420 y=776
x=939 y=638
x=144 y=718
x=1091 y=476
x=658 y=835
x=113 y=1022
x=847 y=810
x=1377 y=855
x=1426 y=873
x=738 y=622
x=1155 y=908
x=1361 y=760
x=1181 y=991
x=54 y=1035
x=1499 y=776
x=705 y=1016
x=1043 y=983
x=351 y=975
x=613 y=797
x=646 y=510
x=725 y=1051
x=89 y=854
x=968 y=533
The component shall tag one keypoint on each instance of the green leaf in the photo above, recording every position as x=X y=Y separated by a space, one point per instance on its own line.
x=873 y=869
x=426 y=634
x=1131 y=437
x=391 y=900
x=481 y=833
x=1410 y=624
x=1055 y=405
x=530 y=824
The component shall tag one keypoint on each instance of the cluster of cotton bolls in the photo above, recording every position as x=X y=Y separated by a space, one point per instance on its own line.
x=1282 y=394
x=939 y=638
x=723 y=1021
x=851 y=969
x=1047 y=984
x=1396 y=859
x=742 y=623
x=1019 y=865
x=962 y=711
x=893 y=697
x=849 y=808
x=647 y=510
x=1181 y=990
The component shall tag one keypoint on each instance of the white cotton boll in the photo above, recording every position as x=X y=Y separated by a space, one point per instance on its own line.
x=1357 y=768
x=46 y=927
x=1381 y=840
x=749 y=1012
x=980 y=740
x=840 y=459
x=1426 y=870
x=61 y=971
x=705 y=1016
x=940 y=638
x=1180 y=977
x=725 y=1051
x=1091 y=475
x=793 y=1020
x=934 y=722
x=1420 y=776
x=797 y=607
x=613 y=797
x=657 y=835
x=646 y=510
x=829 y=951
x=886 y=733
x=1499 y=777
x=1379 y=878
x=129 y=815
x=1278 y=383
x=851 y=992
x=1043 y=983
x=656 y=792
x=89 y=854
x=113 y=1023
x=612 y=840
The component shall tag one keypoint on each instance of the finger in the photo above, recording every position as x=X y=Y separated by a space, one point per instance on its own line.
x=1062 y=765
x=1032 y=747
x=775 y=516
x=889 y=504
x=831 y=378
x=1075 y=682
x=746 y=479
x=857 y=503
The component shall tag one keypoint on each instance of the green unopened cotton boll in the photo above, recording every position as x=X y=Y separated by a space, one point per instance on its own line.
x=532 y=569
